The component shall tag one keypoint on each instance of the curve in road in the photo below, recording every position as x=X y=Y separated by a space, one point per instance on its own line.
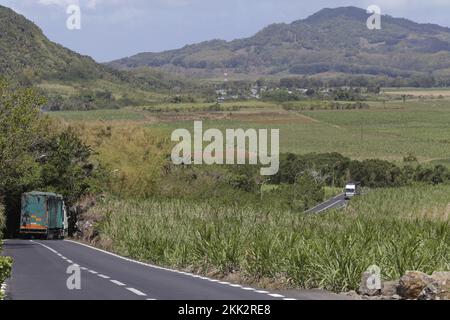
x=40 y=273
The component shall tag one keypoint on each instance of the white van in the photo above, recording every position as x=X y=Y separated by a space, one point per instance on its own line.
x=352 y=189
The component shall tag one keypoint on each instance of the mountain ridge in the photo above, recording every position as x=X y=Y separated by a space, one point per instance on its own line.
x=331 y=41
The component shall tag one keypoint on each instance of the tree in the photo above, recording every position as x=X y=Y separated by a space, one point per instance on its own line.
x=36 y=154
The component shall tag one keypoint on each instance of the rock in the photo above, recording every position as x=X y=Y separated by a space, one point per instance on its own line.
x=444 y=292
x=368 y=287
x=413 y=283
x=442 y=280
x=430 y=292
x=441 y=277
x=389 y=288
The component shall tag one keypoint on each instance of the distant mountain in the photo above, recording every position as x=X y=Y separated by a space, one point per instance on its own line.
x=330 y=42
x=27 y=57
x=25 y=51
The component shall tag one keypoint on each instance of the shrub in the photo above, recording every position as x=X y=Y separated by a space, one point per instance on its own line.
x=5 y=262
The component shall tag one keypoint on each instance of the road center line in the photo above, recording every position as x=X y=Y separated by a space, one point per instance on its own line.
x=168 y=270
x=118 y=283
x=137 y=292
x=328 y=207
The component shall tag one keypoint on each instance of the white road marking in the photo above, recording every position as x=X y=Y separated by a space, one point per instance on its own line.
x=137 y=292
x=320 y=204
x=328 y=207
x=43 y=245
x=118 y=283
x=133 y=290
x=169 y=270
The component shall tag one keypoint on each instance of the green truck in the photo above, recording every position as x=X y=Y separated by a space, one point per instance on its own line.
x=43 y=215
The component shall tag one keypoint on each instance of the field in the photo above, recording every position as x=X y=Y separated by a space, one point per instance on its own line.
x=239 y=238
x=279 y=249
x=388 y=131
x=418 y=92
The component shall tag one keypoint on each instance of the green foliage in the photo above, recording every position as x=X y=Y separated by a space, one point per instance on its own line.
x=23 y=133
x=5 y=262
x=306 y=192
x=397 y=229
x=5 y=270
x=67 y=167
x=335 y=170
x=36 y=154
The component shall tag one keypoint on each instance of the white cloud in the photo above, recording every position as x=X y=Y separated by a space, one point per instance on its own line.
x=91 y=4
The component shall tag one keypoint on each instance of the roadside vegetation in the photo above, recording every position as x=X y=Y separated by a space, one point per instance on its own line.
x=397 y=229
x=5 y=262
x=37 y=153
x=227 y=221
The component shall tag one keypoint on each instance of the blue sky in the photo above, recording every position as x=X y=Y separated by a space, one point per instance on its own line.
x=114 y=29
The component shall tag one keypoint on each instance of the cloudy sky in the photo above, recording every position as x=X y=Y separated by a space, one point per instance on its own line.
x=112 y=29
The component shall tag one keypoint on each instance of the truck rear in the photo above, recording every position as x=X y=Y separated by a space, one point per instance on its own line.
x=352 y=189
x=43 y=215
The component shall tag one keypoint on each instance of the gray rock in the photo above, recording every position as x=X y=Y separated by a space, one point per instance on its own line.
x=442 y=280
x=441 y=277
x=413 y=283
x=430 y=292
x=389 y=288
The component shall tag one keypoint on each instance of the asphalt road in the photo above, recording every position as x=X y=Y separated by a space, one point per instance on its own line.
x=334 y=203
x=39 y=273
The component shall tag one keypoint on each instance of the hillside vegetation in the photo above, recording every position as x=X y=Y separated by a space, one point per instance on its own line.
x=69 y=80
x=330 y=42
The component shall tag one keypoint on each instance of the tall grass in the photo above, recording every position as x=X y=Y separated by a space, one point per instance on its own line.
x=389 y=228
x=132 y=155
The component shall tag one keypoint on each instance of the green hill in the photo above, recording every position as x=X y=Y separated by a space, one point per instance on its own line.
x=26 y=52
x=330 y=42
x=68 y=79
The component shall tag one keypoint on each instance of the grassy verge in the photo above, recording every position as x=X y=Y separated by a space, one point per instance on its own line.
x=398 y=230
